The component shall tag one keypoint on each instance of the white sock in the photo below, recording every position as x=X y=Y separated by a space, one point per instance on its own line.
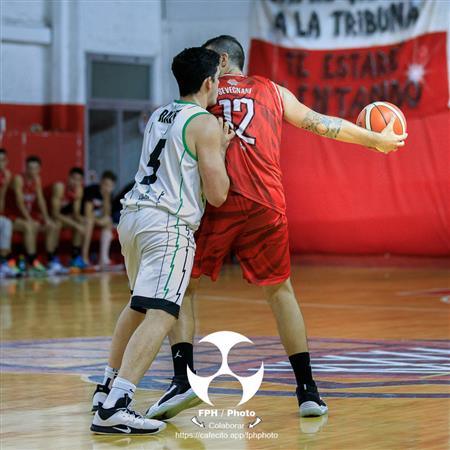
x=120 y=387
x=109 y=376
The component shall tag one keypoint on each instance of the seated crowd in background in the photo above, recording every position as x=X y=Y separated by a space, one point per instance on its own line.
x=25 y=210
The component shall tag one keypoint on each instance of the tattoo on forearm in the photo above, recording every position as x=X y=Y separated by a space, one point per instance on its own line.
x=322 y=125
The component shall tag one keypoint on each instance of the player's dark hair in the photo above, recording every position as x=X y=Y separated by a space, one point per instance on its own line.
x=108 y=175
x=77 y=171
x=34 y=158
x=192 y=67
x=230 y=45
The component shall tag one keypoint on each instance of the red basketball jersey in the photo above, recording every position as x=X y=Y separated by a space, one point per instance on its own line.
x=254 y=106
x=69 y=197
x=29 y=193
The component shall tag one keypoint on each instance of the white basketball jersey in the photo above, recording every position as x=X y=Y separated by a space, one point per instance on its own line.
x=168 y=175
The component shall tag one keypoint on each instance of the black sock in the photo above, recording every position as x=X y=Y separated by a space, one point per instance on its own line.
x=76 y=251
x=301 y=365
x=31 y=257
x=182 y=356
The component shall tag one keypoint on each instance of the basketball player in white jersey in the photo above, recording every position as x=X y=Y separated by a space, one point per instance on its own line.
x=182 y=162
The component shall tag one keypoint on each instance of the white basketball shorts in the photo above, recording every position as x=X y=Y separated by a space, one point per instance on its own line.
x=159 y=249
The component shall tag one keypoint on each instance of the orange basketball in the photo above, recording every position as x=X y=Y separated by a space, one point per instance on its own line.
x=377 y=115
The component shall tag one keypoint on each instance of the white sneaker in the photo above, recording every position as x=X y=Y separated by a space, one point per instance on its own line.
x=122 y=420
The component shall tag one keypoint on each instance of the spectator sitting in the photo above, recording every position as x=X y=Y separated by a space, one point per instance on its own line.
x=30 y=215
x=66 y=210
x=97 y=208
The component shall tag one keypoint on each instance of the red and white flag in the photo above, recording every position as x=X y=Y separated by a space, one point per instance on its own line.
x=337 y=56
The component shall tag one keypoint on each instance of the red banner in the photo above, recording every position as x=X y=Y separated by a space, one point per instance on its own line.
x=336 y=58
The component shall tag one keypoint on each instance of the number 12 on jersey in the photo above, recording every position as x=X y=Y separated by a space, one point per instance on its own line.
x=236 y=106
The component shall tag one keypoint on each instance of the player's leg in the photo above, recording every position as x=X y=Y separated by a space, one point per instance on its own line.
x=78 y=235
x=52 y=231
x=263 y=251
x=129 y=319
x=292 y=331
x=183 y=331
x=142 y=347
x=52 y=234
x=29 y=231
x=214 y=239
x=164 y=271
x=105 y=242
x=286 y=311
x=180 y=396
x=90 y=224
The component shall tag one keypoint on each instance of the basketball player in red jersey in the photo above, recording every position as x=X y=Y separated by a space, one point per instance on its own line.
x=31 y=215
x=252 y=222
x=66 y=209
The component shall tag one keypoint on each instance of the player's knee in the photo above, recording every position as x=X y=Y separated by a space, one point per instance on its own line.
x=107 y=232
x=279 y=292
x=108 y=223
x=54 y=227
x=164 y=318
x=30 y=227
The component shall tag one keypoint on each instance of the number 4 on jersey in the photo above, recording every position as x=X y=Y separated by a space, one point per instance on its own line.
x=245 y=122
x=154 y=162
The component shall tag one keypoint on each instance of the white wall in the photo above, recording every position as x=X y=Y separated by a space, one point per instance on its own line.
x=189 y=23
x=25 y=51
x=44 y=42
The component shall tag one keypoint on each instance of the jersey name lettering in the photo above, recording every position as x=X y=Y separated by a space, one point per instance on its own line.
x=168 y=116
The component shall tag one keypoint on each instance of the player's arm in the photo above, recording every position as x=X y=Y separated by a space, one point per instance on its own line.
x=89 y=210
x=105 y=219
x=3 y=190
x=20 y=202
x=41 y=201
x=77 y=204
x=301 y=116
x=210 y=139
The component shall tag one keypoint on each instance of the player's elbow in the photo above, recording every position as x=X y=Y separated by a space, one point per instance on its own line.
x=218 y=199
x=218 y=194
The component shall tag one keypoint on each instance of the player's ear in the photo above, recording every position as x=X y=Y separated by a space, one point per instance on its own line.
x=208 y=83
x=223 y=60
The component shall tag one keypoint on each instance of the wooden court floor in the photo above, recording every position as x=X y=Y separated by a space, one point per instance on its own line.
x=379 y=338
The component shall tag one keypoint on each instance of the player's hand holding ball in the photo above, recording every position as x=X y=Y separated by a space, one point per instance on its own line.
x=388 y=122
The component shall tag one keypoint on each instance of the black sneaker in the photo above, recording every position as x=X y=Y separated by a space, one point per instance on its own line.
x=177 y=398
x=122 y=420
x=309 y=401
x=100 y=394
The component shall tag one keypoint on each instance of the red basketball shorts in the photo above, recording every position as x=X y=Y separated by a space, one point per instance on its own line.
x=257 y=235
